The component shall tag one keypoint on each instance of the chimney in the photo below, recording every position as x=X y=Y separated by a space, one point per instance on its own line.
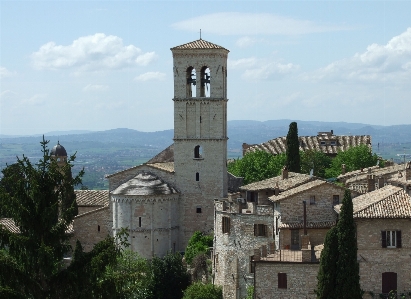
x=284 y=172
x=276 y=189
x=343 y=170
x=305 y=217
x=371 y=182
x=332 y=132
x=380 y=182
x=408 y=171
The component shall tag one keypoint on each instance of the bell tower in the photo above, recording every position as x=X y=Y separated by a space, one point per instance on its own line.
x=200 y=132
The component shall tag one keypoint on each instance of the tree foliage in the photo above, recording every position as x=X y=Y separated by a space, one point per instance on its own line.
x=198 y=243
x=257 y=166
x=328 y=266
x=338 y=276
x=316 y=160
x=199 y=290
x=168 y=277
x=348 y=277
x=40 y=199
x=354 y=158
x=293 y=149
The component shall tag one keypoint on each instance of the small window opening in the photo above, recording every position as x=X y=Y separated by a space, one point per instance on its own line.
x=205 y=82
x=139 y=221
x=197 y=176
x=198 y=152
x=200 y=119
x=312 y=200
x=282 y=280
x=336 y=200
x=225 y=225
x=198 y=210
x=174 y=247
x=323 y=143
x=98 y=228
x=251 y=264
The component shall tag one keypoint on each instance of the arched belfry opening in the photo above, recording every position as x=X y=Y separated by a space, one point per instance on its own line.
x=198 y=152
x=191 y=82
x=205 y=88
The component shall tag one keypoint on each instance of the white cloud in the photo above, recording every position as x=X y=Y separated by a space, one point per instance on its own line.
x=90 y=53
x=4 y=73
x=151 y=76
x=95 y=87
x=377 y=63
x=270 y=71
x=236 y=23
x=242 y=63
x=36 y=100
x=245 y=42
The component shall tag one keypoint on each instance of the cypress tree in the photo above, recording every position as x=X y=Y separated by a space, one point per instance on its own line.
x=328 y=266
x=348 y=277
x=293 y=149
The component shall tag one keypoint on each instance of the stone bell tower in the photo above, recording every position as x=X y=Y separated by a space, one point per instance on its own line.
x=200 y=132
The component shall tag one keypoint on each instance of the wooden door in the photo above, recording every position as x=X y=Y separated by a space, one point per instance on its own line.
x=389 y=282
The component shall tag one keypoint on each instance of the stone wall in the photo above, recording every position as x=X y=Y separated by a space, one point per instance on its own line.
x=233 y=251
x=375 y=260
x=301 y=280
x=86 y=228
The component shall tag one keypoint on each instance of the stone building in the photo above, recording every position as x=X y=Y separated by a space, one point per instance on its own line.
x=326 y=142
x=164 y=201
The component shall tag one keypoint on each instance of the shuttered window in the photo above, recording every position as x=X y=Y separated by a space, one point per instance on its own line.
x=226 y=225
x=282 y=280
x=391 y=239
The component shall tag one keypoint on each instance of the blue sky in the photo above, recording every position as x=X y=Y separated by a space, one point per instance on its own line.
x=97 y=65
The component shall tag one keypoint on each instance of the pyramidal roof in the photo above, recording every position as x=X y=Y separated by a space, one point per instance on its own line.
x=199 y=44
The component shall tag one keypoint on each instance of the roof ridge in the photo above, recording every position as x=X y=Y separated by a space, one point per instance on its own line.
x=378 y=201
x=198 y=44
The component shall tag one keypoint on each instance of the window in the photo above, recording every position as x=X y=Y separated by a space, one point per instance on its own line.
x=251 y=264
x=252 y=196
x=198 y=152
x=98 y=228
x=282 y=280
x=336 y=199
x=139 y=221
x=198 y=210
x=391 y=239
x=260 y=230
x=312 y=199
x=333 y=143
x=323 y=143
x=191 y=82
x=276 y=225
x=226 y=225
x=205 y=82
x=197 y=176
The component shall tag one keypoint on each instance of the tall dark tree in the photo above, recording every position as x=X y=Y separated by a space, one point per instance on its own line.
x=293 y=149
x=39 y=199
x=348 y=277
x=327 y=274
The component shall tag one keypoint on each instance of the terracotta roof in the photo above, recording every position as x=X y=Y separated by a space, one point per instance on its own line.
x=144 y=184
x=167 y=166
x=350 y=174
x=11 y=226
x=92 y=197
x=199 y=44
x=387 y=202
x=390 y=170
x=167 y=155
x=301 y=188
x=278 y=145
x=294 y=179
x=317 y=224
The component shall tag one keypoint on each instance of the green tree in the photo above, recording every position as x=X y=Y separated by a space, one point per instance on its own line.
x=316 y=160
x=168 y=277
x=328 y=266
x=199 y=290
x=257 y=166
x=198 y=243
x=354 y=158
x=293 y=149
x=40 y=199
x=348 y=277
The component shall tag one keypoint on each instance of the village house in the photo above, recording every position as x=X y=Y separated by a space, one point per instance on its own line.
x=325 y=142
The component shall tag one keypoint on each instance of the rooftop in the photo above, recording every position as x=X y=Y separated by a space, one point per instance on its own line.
x=199 y=44
x=294 y=179
x=92 y=197
x=388 y=202
x=11 y=226
x=301 y=188
x=144 y=184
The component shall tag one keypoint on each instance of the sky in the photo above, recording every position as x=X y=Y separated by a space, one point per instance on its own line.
x=99 y=65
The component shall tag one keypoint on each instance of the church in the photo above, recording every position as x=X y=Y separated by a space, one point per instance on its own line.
x=164 y=201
